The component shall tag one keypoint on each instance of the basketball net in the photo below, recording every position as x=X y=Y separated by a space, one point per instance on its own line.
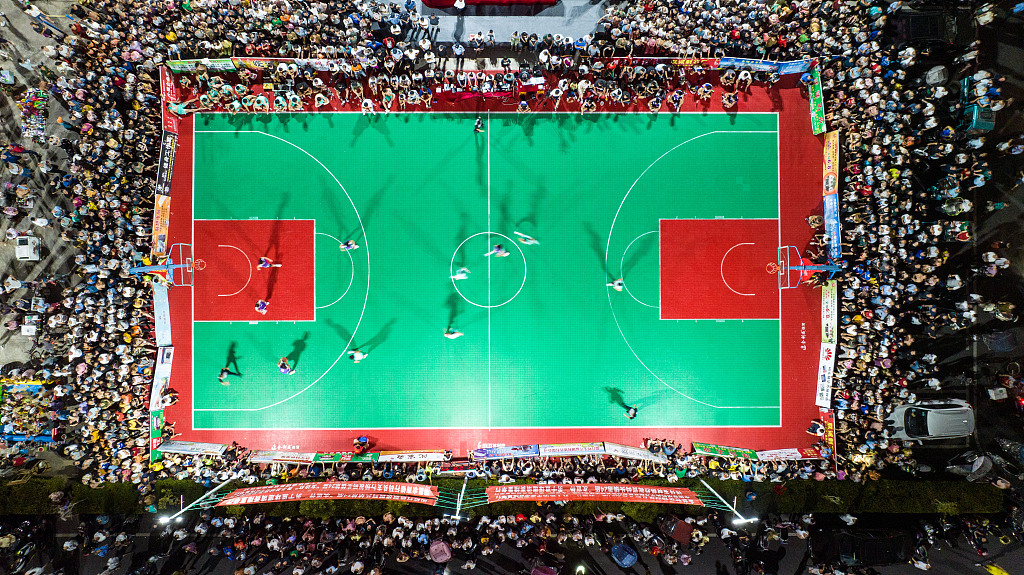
x=772 y=268
x=199 y=265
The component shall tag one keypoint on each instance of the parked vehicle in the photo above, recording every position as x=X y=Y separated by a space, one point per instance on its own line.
x=935 y=419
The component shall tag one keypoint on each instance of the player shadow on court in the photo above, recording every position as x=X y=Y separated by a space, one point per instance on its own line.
x=596 y=244
x=639 y=252
x=232 y=360
x=380 y=337
x=366 y=216
x=339 y=329
x=378 y=122
x=454 y=305
x=615 y=396
x=298 y=346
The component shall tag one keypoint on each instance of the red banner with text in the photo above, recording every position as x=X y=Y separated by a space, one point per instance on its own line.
x=388 y=490
x=592 y=492
x=168 y=93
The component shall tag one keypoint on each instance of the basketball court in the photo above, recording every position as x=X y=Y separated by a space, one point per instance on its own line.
x=688 y=210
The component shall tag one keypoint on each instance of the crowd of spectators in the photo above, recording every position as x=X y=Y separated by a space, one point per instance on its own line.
x=906 y=165
x=518 y=542
x=911 y=295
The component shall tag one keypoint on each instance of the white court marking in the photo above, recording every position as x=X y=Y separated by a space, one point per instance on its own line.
x=351 y=276
x=721 y=268
x=366 y=298
x=451 y=269
x=608 y=248
x=623 y=276
x=247 y=260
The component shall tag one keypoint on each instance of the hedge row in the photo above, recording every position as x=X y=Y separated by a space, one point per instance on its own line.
x=886 y=496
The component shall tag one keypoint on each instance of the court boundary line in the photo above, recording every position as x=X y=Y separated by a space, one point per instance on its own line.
x=365 y=299
x=247 y=260
x=263 y=429
x=608 y=251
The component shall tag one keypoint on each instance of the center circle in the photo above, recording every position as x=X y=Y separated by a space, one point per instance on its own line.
x=496 y=270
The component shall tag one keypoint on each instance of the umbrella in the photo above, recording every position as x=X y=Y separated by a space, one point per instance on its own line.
x=440 y=551
x=623 y=555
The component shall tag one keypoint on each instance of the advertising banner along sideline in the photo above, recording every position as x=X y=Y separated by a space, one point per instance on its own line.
x=723 y=451
x=830 y=192
x=817 y=104
x=593 y=492
x=386 y=490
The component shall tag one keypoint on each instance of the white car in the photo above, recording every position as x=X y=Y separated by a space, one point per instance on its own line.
x=933 y=419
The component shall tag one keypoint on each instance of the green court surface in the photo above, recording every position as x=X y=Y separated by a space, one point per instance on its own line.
x=546 y=343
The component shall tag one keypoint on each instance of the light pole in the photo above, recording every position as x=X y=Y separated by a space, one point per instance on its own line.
x=207 y=495
x=740 y=520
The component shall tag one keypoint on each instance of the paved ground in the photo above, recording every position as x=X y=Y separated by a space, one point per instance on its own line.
x=572 y=17
x=57 y=256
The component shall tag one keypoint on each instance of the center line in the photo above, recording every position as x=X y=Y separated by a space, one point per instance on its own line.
x=488 y=271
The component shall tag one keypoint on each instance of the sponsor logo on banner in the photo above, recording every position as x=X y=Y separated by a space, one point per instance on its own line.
x=817 y=104
x=789 y=454
x=593 y=492
x=629 y=452
x=406 y=456
x=161 y=377
x=826 y=365
x=723 y=451
x=387 y=490
x=829 y=311
x=282 y=457
x=506 y=451
x=569 y=449
x=193 y=448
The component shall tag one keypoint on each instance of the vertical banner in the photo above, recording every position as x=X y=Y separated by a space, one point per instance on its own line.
x=828 y=419
x=161 y=377
x=817 y=104
x=826 y=366
x=162 y=315
x=830 y=192
x=169 y=92
x=829 y=311
x=161 y=225
x=156 y=424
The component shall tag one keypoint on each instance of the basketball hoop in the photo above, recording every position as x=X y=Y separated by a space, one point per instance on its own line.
x=772 y=268
x=198 y=265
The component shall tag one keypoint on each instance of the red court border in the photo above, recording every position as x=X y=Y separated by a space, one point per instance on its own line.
x=800 y=185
